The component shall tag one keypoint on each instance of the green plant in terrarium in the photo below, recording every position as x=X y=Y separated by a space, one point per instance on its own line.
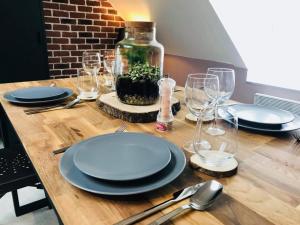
x=143 y=71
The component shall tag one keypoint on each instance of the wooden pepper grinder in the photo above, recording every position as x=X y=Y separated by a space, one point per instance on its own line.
x=165 y=116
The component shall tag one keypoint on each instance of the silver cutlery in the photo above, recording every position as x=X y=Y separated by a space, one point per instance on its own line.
x=122 y=128
x=177 y=196
x=201 y=200
x=51 y=108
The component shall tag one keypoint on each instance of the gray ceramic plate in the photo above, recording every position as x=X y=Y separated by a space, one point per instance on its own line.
x=37 y=93
x=80 y=180
x=261 y=114
x=8 y=97
x=122 y=156
x=286 y=127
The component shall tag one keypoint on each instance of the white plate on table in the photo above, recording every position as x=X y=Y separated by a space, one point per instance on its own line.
x=261 y=114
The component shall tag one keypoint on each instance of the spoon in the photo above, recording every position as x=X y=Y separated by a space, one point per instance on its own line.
x=201 y=200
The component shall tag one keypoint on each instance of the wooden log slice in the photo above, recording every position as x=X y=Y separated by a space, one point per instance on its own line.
x=227 y=170
x=110 y=104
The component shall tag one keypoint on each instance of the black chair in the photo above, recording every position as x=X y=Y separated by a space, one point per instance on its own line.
x=16 y=170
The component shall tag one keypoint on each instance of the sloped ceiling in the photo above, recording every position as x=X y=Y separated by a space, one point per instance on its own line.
x=188 y=28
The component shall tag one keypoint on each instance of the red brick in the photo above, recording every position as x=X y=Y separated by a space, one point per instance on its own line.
x=61 y=27
x=67 y=7
x=55 y=72
x=112 y=35
x=106 y=4
x=118 y=18
x=77 y=15
x=107 y=17
x=76 y=53
x=93 y=28
x=52 y=33
x=100 y=35
x=53 y=47
x=85 y=9
x=99 y=10
x=67 y=21
x=92 y=3
x=76 y=65
x=85 y=34
x=92 y=16
x=58 y=13
x=68 y=47
x=78 y=41
x=48 y=26
x=84 y=47
x=112 y=11
x=70 y=71
x=107 y=41
x=62 y=66
x=101 y=46
x=60 y=1
x=92 y=41
x=100 y=23
x=51 y=19
x=77 y=2
x=107 y=29
x=113 y=24
x=68 y=59
x=47 y=5
x=78 y=28
x=85 y=22
x=110 y=46
x=69 y=34
x=61 y=53
x=53 y=59
x=47 y=12
x=60 y=40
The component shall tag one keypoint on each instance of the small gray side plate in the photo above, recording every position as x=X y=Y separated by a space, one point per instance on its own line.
x=261 y=114
x=82 y=181
x=122 y=156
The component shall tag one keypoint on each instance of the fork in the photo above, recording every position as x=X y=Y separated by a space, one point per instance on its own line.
x=120 y=129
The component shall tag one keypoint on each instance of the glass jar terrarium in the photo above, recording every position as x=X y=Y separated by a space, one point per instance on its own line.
x=139 y=64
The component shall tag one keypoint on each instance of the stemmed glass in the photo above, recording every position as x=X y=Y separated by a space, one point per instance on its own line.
x=201 y=91
x=226 y=78
x=109 y=64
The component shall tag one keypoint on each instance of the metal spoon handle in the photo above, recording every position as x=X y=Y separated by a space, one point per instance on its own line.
x=170 y=215
x=144 y=214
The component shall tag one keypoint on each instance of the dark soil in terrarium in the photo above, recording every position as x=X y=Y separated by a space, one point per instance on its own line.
x=138 y=92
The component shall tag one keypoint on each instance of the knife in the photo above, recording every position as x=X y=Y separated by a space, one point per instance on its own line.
x=177 y=196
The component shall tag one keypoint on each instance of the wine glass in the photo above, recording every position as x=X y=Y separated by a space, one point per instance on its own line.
x=226 y=78
x=197 y=99
x=226 y=82
x=91 y=62
x=220 y=148
x=109 y=64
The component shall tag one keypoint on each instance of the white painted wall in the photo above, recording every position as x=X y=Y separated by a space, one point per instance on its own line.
x=188 y=28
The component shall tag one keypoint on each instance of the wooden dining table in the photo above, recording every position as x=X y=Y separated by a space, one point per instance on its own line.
x=265 y=190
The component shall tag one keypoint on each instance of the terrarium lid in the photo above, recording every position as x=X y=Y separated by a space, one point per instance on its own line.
x=140 y=24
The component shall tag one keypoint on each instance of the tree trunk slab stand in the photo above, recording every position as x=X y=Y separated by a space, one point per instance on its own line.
x=110 y=104
x=227 y=170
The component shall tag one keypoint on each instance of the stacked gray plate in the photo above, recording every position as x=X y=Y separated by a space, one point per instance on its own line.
x=122 y=164
x=38 y=95
x=262 y=118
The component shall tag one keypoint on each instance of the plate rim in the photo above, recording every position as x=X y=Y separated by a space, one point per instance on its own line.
x=11 y=99
x=168 y=152
x=174 y=150
x=63 y=91
x=292 y=116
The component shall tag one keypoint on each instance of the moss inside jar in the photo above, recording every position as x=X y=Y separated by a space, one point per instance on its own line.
x=139 y=85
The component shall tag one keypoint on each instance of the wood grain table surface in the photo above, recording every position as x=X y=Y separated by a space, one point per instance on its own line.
x=265 y=191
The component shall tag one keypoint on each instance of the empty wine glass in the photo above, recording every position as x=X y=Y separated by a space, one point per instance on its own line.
x=91 y=62
x=109 y=64
x=226 y=78
x=219 y=148
x=197 y=98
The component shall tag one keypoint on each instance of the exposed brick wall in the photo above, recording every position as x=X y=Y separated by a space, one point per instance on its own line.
x=73 y=26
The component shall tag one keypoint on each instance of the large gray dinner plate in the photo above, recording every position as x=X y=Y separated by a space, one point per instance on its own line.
x=67 y=93
x=82 y=181
x=122 y=156
x=37 y=93
x=286 y=127
x=261 y=114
